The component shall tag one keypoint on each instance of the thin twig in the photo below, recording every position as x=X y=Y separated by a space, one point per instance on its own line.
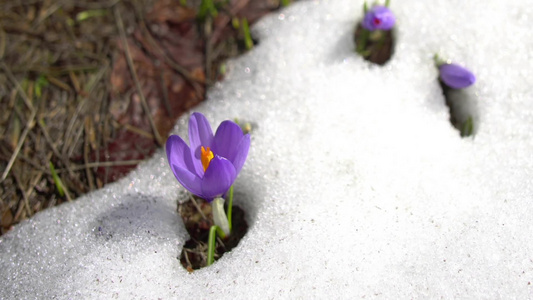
x=34 y=164
x=187 y=258
x=48 y=12
x=198 y=207
x=221 y=242
x=133 y=129
x=96 y=5
x=120 y=25
x=70 y=126
x=174 y=65
x=48 y=139
x=178 y=68
x=102 y=164
x=37 y=178
x=67 y=194
x=24 y=194
x=2 y=42
x=76 y=139
x=165 y=94
x=29 y=124
x=17 y=85
x=56 y=71
x=58 y=83
x=208 y=28
x=86 y=154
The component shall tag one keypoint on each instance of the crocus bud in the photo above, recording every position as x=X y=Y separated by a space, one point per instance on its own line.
x=456 y=76
x=378 y=18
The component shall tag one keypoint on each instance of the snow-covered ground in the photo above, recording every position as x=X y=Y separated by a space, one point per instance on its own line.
x=356 y=184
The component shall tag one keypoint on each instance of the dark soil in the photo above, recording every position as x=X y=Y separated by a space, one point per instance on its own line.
x=194 y=253
x=379 y=46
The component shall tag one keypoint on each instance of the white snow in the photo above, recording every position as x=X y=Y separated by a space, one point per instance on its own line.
x=356 y=184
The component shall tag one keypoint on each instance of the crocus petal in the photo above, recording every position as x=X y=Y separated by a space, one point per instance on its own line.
x=456 y=76
x=227 y=139
x=379 y=18
x=200 y=133
x=179 y=154
x=242 y=153
x=180 y=160
x=218 y=178
x=190 y=181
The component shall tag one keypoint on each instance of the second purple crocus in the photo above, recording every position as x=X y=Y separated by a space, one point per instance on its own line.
x=378 y=18
x=456 y=76
x=209 y=166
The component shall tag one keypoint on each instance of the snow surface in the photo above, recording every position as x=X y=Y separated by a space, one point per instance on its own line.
x=356 y=184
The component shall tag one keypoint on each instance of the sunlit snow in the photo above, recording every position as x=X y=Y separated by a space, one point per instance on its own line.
x=356 y=184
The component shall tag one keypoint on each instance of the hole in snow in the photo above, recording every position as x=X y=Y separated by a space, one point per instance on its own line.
x=198 y=219
x=374 y=46
x=462 y=106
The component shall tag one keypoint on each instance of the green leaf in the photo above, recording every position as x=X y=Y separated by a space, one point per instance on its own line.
x=248 y=42
x=467 y=128
x=235 y=23
x=207 y=8
x=57 y=180
x=362 y=40
x=211 y=245
x=87 y=14
x=39 y=84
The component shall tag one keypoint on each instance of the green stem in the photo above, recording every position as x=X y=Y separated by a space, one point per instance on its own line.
x=387 y=3
x=221 y=232
x=438 y=61
x=230 y=206
x=211 y=245
x=361 y=45
x=468 y=127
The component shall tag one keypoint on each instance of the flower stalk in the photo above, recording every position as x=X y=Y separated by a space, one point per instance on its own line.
x=230 y=206
x=211 y=245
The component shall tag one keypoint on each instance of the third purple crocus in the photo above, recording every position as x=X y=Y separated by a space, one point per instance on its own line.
x=456 y=76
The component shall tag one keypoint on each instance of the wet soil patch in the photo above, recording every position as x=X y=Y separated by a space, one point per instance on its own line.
x=376 y=46
x=198 y=219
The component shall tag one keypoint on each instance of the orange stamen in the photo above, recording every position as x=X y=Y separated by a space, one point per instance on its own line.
x=207 y=156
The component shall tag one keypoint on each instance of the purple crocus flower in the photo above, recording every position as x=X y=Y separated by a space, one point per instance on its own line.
x=210 y=165
x=456 y=76
x=378 y=18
